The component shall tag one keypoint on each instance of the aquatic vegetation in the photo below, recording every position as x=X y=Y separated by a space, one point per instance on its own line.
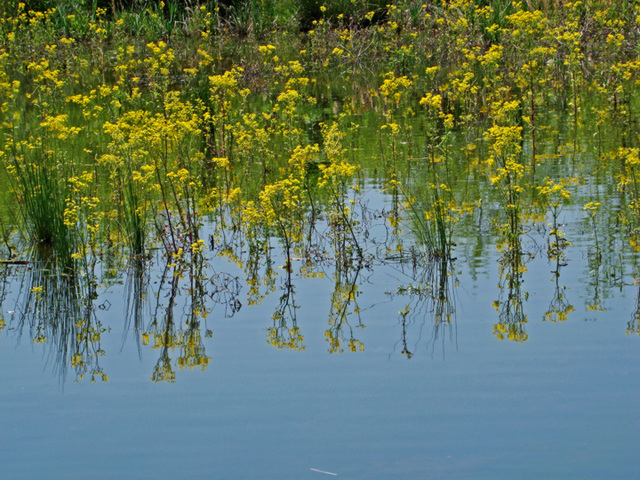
x=336 y=136
x=555 y=195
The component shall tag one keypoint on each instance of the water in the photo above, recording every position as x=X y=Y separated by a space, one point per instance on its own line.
x=562 y=404
x=367 y=358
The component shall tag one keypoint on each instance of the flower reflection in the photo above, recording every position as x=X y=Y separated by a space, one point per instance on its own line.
x=285 y=333
x=510 y=305
x=559 y=307
x=344 y=303
x=168 y=335
x=60 y=310
x=183 y=333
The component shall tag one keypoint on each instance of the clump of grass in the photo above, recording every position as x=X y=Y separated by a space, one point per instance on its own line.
x=41 y=196
x=135 y=223
x=433 y=222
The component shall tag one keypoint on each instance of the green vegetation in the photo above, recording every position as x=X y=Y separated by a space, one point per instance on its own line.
x=132 y=127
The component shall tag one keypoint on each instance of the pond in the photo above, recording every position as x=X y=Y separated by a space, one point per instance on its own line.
x=315 y=261
x=430 y=390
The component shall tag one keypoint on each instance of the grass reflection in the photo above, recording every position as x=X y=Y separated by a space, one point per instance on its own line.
x=135 y=286
x=633 y=326
x=58 y=307
x=432 y=297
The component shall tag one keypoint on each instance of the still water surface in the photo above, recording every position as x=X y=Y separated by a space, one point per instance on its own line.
x=563 y=404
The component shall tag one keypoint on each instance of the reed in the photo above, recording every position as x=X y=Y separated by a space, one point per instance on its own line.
x=118 y=117
x=135 y=224
x=42 y=202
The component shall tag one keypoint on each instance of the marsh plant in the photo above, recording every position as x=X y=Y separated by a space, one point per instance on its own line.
x=164 y=132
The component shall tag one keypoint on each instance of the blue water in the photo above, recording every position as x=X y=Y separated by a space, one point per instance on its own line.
x=562 y=405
